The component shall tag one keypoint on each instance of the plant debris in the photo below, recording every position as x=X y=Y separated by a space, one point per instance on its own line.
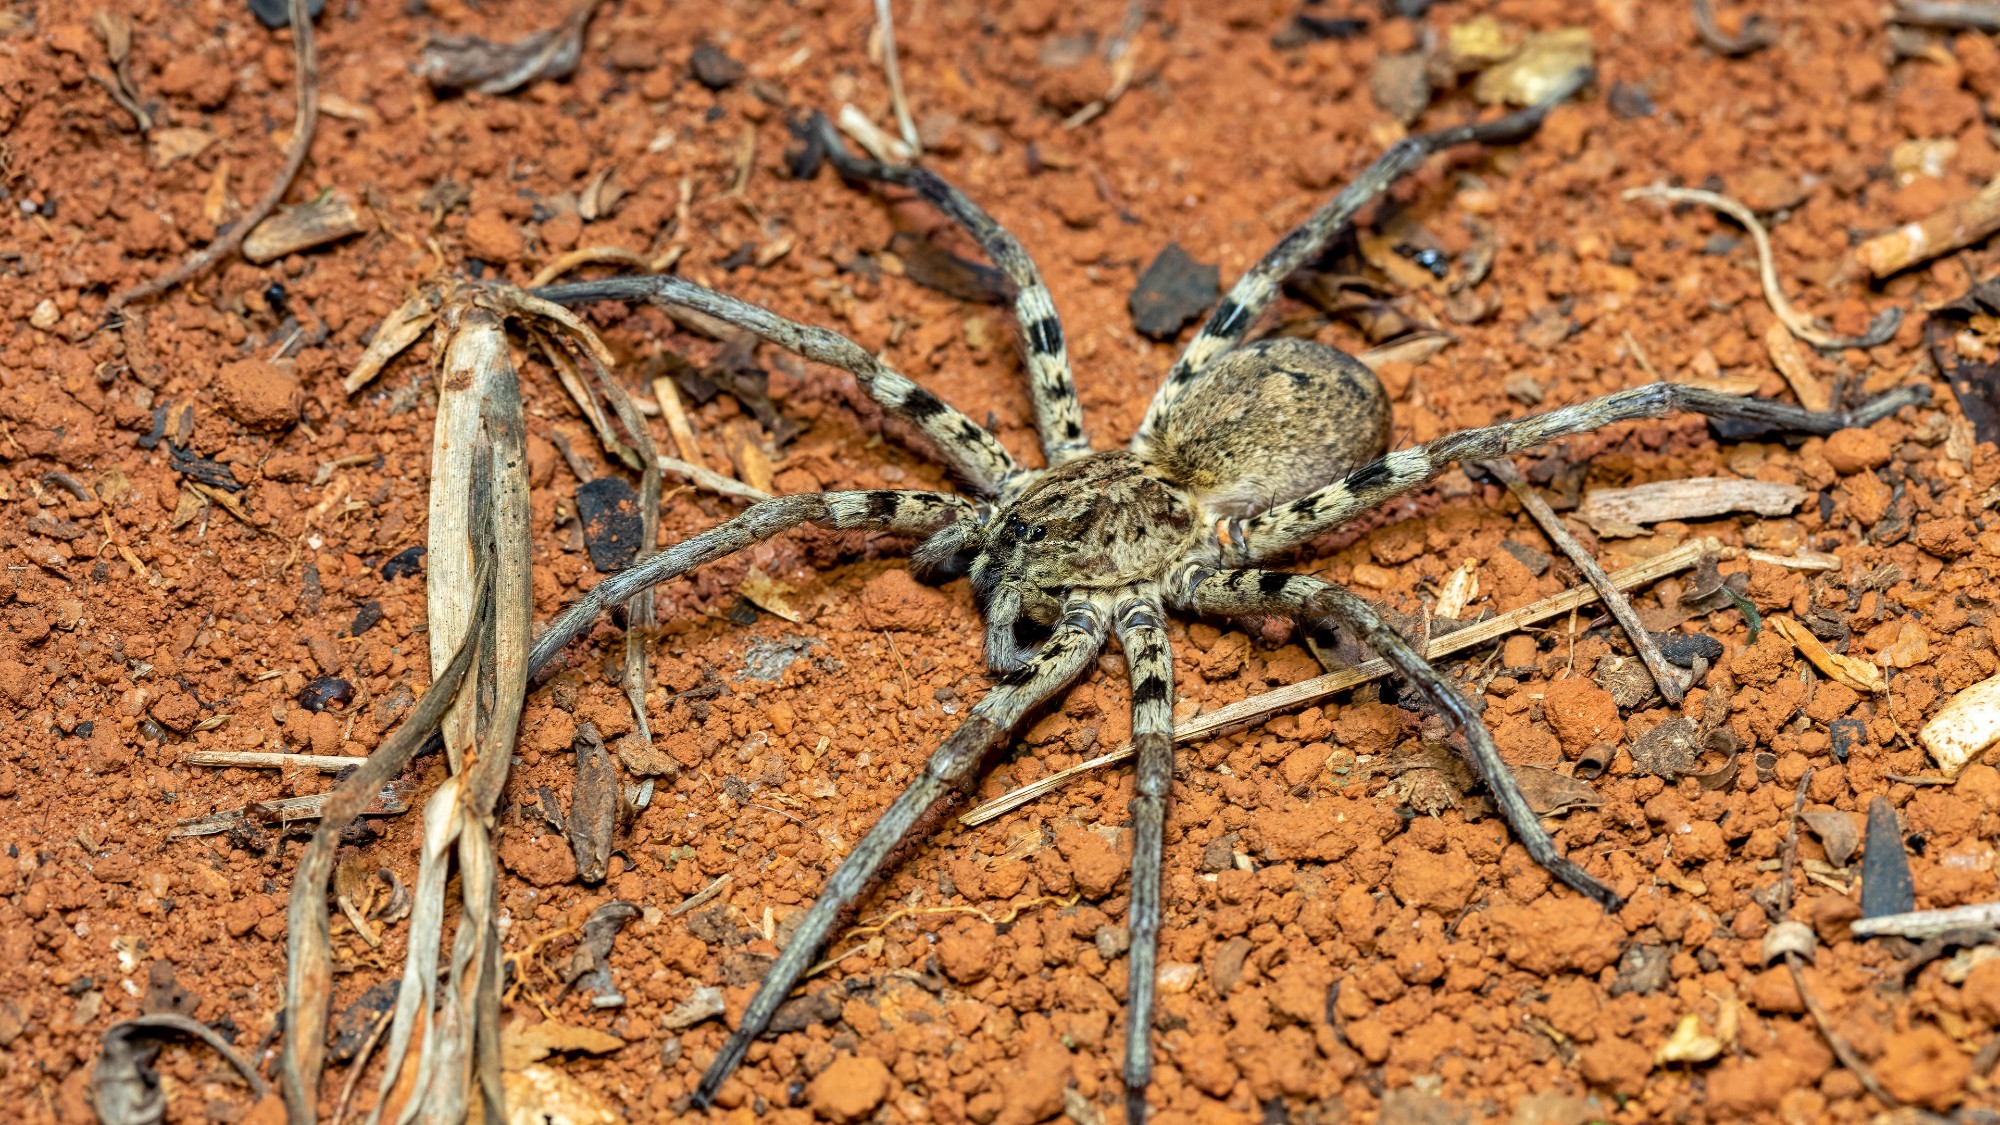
x=1886 y=886
x=467 y=62
x=1172 y=292
x=593 y=806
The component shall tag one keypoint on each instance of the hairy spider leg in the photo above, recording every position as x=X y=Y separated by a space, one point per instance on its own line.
x=904 y=512
x=963 y=445
x=1245 y=593
x=1150 y=662
x=1286 y=526
x=1069 y=650
x=1058 y=414
x=1255 y=290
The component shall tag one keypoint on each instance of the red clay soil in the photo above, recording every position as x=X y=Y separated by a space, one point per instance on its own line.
x=1333 y=952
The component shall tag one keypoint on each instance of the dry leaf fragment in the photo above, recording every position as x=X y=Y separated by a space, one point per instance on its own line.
x=1789 y=936
x=768 y=594
x=1964 y=728
x=178 y=143
x=329 y=218
x=599 y=196
x=1459 y=590
x=1688 y=1044
x=543 y=1095
x=705 y=1003
x=1535 y=73
x=747 y=456
x=1551 y=793
x=1837 y=834
x=1855 y=673
x=523 y=1043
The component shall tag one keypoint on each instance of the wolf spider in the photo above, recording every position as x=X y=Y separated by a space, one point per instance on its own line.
x=1247 y=452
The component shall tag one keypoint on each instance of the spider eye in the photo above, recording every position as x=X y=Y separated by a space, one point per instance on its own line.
x=1025 y=532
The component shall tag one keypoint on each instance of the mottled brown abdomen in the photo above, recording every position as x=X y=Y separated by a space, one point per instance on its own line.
x=1270 y=422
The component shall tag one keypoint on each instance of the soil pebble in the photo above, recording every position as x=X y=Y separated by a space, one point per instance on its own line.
x=849 y=1089
x=258 y=394
x=894 y=600
x=1853 y=451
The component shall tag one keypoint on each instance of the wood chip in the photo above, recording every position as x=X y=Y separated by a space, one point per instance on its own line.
x=1964 y=728
x=1791 y=362
x=1619 y=511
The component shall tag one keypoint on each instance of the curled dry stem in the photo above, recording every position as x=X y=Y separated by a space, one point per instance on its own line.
x=1879 y=330
x=303 y=124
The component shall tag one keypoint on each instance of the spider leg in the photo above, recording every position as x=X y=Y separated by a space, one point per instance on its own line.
x=1151 y=664
x=1241 y=593
x=963 y=445
x=1290 y=524
x=1069 y=649
x=1058 y=414
x=909 y=512
x=1253 y=293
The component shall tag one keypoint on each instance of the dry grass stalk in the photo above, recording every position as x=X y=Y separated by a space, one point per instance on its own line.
x=479 y=503
x=1950 y=228
x=227 y=243
x=1671 y=682
x=1279 y=700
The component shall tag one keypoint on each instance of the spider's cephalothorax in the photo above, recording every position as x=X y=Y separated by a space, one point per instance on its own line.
x=1247 y=452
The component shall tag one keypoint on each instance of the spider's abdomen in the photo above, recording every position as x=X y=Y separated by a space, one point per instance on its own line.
x=1103 y=521
x=1270 y=422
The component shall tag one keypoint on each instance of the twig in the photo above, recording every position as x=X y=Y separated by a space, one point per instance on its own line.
x=669 y=399
x=303 y=124
x=1920 y=924
x=1261 y=707
x=695 y=900
x=261 y=759
x=1952 y=227
x=1669 y=679
x=1879 y=330
x=360 y=1064
x=1975 y=15
x=1755 y=36
x=885 y=25
x=713 y=481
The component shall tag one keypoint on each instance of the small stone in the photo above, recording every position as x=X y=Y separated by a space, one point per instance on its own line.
x=1174 y=290
x=258 y=394
x=1685 y=648
x=46 y=315
x=714 y=69
x=1854 y=451
x=325 y=692
x=1401 y=85
x=849 y=1089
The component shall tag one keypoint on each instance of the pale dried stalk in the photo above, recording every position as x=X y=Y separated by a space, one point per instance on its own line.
x=265 y=759
x=669 y=399
x=479 y=465
x=631 y=441
x=307 y=87
x=886 y=25
x=309 y=955
x=1258 y=708
x=712 y=481
x=1918 y=925
x=1696 y=498
x=1667 y=678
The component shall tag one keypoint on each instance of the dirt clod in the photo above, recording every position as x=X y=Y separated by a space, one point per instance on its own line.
x=258 y=394
x=849 y=1089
